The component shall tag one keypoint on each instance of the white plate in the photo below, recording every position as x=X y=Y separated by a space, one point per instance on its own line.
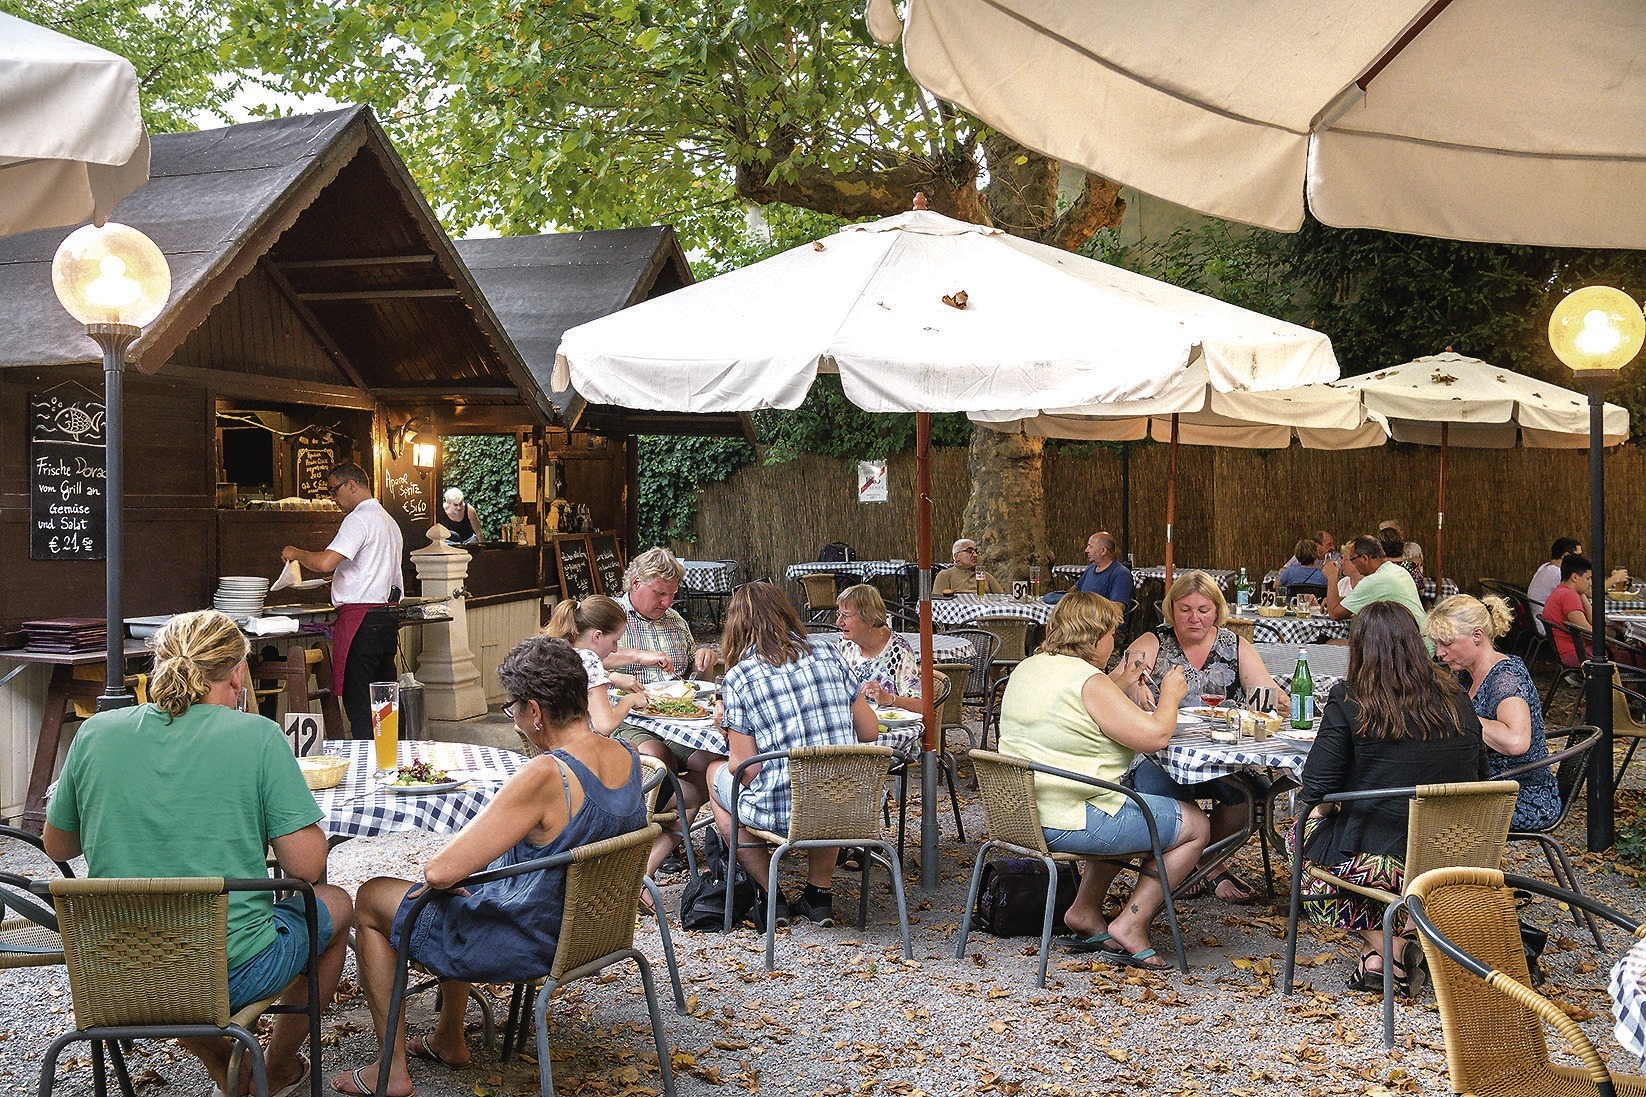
x=306 y=584
x=426 y=786
x=895 y=718
x=1298 y=736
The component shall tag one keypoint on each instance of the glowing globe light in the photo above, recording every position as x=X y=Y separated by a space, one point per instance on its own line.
x=1597 y=328
x=111 y=274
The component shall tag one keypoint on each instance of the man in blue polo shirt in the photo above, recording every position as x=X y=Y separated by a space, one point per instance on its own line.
x=1105 y=575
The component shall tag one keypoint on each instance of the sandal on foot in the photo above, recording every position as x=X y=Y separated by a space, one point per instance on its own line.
x=1074 y=942
x=1362 y=978
x=1141 y=959
x=417 y=1047
x=361 y=1089
x=1206 y=887
x=1416 y=971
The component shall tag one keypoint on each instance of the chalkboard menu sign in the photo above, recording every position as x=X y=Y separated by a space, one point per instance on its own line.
x=66 y=478
x=608 y=562
x=576 y=564
x=313 y=462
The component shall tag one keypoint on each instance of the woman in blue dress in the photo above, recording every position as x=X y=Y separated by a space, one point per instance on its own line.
x=583 y=788
x=1504 y=697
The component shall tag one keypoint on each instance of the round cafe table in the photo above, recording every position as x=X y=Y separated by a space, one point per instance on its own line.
x=1294 y=630
x=360 y=806
x=965 y=609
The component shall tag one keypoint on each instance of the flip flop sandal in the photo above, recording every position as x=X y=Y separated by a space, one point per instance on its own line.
x=361 y=1089
x=418 y=1048
x=1076 y=943
x=1247 y=894
x=1416 y=968
x=1364 y=980
x=1134 y=959
x=284 y=1091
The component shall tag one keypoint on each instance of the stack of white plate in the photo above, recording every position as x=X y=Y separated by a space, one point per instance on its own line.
x=241 y=595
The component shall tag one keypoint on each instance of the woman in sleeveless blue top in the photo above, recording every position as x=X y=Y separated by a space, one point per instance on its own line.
x=583 y=789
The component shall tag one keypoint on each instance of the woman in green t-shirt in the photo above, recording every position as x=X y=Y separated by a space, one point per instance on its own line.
x=1061 y=710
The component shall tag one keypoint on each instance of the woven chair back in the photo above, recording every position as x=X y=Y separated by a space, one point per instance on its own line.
x=652 y=777
x=145 y=952
x=1623 y=718
x=1488 y=1036
x=603 y=885
x=1570 y=772
x=1009 y=810
x=1014 y=636
x=837 y=791
x=958 y=676
x=984 y=646
x=1244 y=627
x=1459 y=824
x=820 y=590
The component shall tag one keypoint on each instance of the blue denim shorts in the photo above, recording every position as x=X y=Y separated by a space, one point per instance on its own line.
x=267 y=973
x=1126 y=831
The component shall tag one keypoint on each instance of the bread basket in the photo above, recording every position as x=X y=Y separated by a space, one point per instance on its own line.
x=1271 y=611
x=323 y=770
x=1622 y=595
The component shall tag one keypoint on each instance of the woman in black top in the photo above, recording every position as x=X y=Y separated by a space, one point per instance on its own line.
x=1396 y=720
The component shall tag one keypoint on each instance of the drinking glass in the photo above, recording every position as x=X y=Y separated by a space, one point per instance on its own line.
x=1212 y=695
x=385 y=724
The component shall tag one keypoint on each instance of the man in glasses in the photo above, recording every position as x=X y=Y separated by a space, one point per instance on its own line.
x=364 y=562
x=961 y=576
x=1376 y=579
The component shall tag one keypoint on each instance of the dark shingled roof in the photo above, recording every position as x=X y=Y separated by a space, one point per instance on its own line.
x=540 y=286
x=325 y=202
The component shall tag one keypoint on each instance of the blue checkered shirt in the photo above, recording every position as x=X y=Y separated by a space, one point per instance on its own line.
x=669 y=634
x=804 y=703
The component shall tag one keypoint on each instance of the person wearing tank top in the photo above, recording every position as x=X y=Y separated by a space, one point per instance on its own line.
x=584 y=788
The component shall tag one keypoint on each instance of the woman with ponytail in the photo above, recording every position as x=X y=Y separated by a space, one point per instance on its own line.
x=187 y=785
x=593 y=626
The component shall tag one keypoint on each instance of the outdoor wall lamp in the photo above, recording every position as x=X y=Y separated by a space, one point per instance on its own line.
x=423 y=454
x=1597 y=331
x=405 y=432
x=114 y=280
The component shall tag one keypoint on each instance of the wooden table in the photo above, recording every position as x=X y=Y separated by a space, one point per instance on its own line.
x=63 y=690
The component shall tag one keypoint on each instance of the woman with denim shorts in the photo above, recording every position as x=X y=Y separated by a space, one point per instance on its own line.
x=1061 y=710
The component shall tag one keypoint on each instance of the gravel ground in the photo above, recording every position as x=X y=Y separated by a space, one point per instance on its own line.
x=844 y=1014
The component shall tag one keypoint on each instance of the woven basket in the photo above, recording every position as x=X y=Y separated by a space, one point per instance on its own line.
x=1271 y=611
x=323 y=771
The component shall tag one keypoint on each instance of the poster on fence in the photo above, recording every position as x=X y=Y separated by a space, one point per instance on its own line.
x=871 y=481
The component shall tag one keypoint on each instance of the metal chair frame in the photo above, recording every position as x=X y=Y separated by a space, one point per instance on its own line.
x=948 y=770
x=1513 y=1037
x=76 y=899
x=836 y=836
x=1020 y=832
x=1571 y=765
x=1491 y=824
x=558 y=975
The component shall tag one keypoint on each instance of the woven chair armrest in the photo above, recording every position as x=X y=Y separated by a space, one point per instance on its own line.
x=1383 y=895
x=1622 y=920
x=1573 y=751
x=20 y=901
x=31 y=839
x=1516 y=991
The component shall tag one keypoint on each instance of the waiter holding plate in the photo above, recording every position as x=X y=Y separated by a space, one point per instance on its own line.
x=364 y=561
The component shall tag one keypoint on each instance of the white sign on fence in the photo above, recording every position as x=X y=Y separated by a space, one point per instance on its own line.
x=871 y=481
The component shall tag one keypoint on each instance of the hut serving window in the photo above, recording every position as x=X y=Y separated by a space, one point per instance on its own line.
x=278 y=456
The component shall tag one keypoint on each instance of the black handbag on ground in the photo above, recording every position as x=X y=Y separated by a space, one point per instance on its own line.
x=1011 y=898
x=1532 y=939
x=703 y=902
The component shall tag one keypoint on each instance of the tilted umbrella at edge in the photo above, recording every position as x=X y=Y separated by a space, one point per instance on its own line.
x=1489 y=407
x=590 y=359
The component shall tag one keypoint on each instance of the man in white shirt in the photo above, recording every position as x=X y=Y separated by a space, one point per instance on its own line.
x=1547 y=578
x=364 y=561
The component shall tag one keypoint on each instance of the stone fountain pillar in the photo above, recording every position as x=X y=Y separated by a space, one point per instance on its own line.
x=447 y=667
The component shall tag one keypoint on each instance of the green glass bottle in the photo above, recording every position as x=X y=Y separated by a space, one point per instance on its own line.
x=1303 y=694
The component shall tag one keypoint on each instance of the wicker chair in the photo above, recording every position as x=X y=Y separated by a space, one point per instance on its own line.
x=1571 y=766
x=1465 y=823
x=1624 y=723
x=948 y=704
x=985 y=645
x=1523 y=634
x=836 y=795
x=821 y=595
x=1566 y=674
x=1012 y=817
x=148 y=960
x=603 y=882
x=1491 y=1018
x=28 y=927
x=1014 y=640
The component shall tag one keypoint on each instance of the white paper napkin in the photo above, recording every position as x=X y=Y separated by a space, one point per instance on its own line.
x=289 y=575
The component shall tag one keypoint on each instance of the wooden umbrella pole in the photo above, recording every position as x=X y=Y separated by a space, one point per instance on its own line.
x=1171 y=502
x=1440 y=515
x=928 y=692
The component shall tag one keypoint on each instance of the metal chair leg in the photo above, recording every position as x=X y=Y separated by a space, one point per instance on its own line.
x=971 y=899
x=895 y=872
x=659 y=1036
x=661 y=916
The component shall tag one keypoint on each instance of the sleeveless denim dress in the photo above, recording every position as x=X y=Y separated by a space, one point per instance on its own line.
x=507 y=930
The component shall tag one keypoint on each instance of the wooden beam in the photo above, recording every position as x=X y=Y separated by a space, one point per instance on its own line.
x=422 y=259
x=279 y=389
x=444 y=390
x=378 y=294
x=312 y=322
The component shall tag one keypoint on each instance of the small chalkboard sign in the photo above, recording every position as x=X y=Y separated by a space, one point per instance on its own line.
x=313 y=462
x=66 y=478
x=608 y=562
x=576 y=564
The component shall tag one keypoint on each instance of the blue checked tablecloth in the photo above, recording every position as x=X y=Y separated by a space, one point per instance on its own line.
x=948 y=649
x=707 y=576
x=1635 y=605
x=1633 y=622
x=1295 y=630
x=964 y=609
x=1628 y=990
x=1192 y=756
x=853 y=567
x=704 y=735
x=1220 y=576
x=1328 y=664
x=359 y=807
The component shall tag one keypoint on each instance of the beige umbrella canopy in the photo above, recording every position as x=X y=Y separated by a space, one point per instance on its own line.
x=1516 y=121
x=1194 y=413
x=72 y=142
x=1450 y=399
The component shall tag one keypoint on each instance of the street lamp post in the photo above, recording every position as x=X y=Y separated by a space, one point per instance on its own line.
x=1597 y=331
x=114 y=280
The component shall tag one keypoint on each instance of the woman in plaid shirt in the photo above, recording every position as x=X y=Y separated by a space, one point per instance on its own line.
x=782 y=690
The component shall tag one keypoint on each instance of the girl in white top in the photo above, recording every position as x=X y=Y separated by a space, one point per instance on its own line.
x=594 y=626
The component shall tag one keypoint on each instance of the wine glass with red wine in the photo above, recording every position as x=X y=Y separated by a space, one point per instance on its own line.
x=1212 y=695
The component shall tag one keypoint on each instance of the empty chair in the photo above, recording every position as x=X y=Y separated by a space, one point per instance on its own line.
x=1318 y=590
x=1571 y=765
x=820 y=594
x=1014 y=640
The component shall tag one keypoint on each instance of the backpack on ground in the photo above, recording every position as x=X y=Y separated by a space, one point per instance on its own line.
x=1011 y=898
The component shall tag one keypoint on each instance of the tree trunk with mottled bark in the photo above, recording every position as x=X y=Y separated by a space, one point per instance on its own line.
x=1006 y=510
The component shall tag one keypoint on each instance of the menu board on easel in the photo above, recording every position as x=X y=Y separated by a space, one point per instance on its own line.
x=575 y=561
x=67 y=460
x=608 y=562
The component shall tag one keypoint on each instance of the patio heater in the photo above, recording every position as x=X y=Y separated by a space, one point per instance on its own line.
x=114 y=280
x=1597 y=331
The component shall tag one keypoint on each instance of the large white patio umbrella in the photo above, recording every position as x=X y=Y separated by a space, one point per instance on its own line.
x=1194 y=413
x=72 y=142
x=922 y=313
x=1450 y=399
x=1515 y=121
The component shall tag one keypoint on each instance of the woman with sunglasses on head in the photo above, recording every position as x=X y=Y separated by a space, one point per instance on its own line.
x=583 y=788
